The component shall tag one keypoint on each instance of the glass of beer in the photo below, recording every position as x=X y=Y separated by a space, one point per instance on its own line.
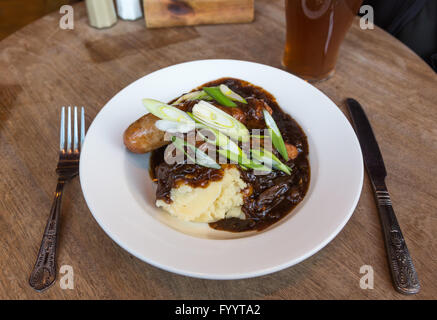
x=315 y=30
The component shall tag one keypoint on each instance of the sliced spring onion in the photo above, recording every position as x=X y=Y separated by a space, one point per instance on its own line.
x=233 y=151
x=270 y=159
x=196 y=95
x=174 y=127
x=218 y=96
x=179 y=144
x=257 y=136
x=258 y=166
x=230 y=149
x=215 y=118
x=165 y=111
x=201 y=157
x=277 y=140
x=193 y=117
x=231 y=94
x=219 y=140
x=241 y=159
x=230 y=155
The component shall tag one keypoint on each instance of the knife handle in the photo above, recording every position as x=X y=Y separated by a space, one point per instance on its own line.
x=403 y=273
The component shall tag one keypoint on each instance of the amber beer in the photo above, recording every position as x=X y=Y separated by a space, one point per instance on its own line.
x=315 y=30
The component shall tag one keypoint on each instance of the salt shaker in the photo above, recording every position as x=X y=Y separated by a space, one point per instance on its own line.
x=129 y=9
x=101 y=13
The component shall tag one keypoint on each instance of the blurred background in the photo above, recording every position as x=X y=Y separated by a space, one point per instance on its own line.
x=414 y=22
x=15 y=14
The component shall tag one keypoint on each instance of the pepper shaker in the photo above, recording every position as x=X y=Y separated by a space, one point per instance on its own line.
x=101 y=13
x=129 y=9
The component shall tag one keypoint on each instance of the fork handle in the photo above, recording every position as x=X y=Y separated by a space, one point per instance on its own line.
x=403 y=273
x=44 y=272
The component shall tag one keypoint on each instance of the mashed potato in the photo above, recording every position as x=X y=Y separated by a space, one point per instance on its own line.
x=219 y=200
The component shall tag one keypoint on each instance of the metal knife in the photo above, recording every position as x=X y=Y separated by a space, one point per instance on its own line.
x=403 y=273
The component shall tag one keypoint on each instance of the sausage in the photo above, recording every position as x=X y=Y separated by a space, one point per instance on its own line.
x=143 y=136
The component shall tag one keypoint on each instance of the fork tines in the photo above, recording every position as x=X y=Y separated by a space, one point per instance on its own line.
x=66 y=147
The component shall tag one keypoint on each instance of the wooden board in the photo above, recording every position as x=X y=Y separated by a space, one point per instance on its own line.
x=43 y=67
x=170 y=13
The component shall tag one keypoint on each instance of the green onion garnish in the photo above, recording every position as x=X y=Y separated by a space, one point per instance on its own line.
x=219 y=140
x=174 y=127
x=277 y=140
x=258 y=136
x=201 y=157
x=229 y=148
x=218 y=96
x=230 y=155
x=196 y=95
x=215 y=118
x=166 y=112
x=241 y=159
x=270 y=159
x=255 y=165
x=231 y=94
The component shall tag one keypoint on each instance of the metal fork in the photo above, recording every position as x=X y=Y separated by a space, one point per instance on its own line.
x=44 y=272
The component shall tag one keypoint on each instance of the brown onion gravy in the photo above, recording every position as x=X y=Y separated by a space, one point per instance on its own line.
x=267 y=198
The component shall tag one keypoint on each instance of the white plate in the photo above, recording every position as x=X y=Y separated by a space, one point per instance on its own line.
x=121 y=195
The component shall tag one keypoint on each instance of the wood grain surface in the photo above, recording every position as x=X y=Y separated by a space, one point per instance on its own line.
x=43 y=67
x=170 y=13
x=15 y=14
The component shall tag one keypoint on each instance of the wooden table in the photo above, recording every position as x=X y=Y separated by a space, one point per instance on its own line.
x=43 y=67
x=13 y=17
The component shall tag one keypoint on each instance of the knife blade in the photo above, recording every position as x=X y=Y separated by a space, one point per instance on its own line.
x=404 y=275
x=372 y=155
